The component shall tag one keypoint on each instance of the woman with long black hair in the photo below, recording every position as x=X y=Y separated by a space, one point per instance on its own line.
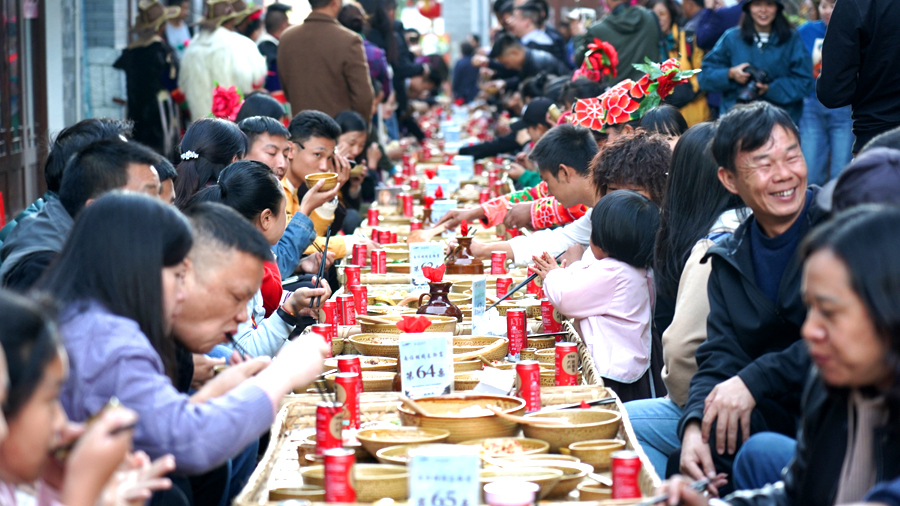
x=761 y=59
x=120 y=284
x=697 y=213
x=208 y=146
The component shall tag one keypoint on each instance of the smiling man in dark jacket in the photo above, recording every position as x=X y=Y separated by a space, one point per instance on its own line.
x=861 y=65
x=753 y=365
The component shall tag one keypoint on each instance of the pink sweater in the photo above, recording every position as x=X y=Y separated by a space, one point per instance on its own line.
x=45 y=496
x=610 y=302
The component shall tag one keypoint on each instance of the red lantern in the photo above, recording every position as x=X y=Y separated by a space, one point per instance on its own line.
x=431 y=9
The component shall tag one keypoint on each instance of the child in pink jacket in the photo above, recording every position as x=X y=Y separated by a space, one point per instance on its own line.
x=609 y=293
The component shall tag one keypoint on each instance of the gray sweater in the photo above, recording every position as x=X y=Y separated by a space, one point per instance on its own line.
x=110 y=356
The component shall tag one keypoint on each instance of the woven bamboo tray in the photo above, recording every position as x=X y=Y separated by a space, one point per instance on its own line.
x=279 y=467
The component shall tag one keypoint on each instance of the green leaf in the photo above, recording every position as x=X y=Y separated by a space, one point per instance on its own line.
x=648 y=103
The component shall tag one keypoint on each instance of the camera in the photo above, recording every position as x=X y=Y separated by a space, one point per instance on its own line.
x=749 y=92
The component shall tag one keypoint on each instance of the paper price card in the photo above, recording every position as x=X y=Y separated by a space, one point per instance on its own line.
x=479 y=289
x=425 y=254
x=452 y=174
x=444 y=475
x=466 y=164
x=441 y=207
x=426 y=364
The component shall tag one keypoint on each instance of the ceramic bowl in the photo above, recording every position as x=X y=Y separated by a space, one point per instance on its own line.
x=501 y=446
x=544 y=477
x=593 y=491
x=397 y=455
x=573 y=473
x=329 y=177
x=373 y=381
x=376 y=439
x=371 y=481
x=307 y=492
x=596 y=452
x=586 y=424
x=465 y=415
x=378 y=345
x=489 y=347
x=438 y=324
x=383 y=364
x=542 y=343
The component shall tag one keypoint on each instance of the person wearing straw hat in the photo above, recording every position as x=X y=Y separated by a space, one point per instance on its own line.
x=219 y=56
x=247 y=20
x=151 y=73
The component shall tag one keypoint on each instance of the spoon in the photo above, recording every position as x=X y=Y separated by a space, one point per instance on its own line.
x=486 y=361
x=425 y=235
x=413 y=405
x=530 y=421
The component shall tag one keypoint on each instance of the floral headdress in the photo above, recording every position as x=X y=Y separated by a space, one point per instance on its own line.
x=226 y=102
x=600 y=61
x=629 y=100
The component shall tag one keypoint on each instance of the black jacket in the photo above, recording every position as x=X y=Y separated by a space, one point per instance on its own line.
x=861 y=65
x=499 y=146
x=812 y=477
x=749 y=337
x=536 y=62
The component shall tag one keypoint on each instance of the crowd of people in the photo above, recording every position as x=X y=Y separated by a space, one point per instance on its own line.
x=711 y=189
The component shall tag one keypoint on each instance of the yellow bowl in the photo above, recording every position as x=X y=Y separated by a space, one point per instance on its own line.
x=382 y=364
x=450 y=412
x=590 y=491
x=376 y=439
x=546 y=356
x=548 y=376
x=494 y=347
x=596 y=452
x=371 y=481
x=494 y=446
x=585 y=424
x=373 y=381
x=308 y=492
x=573 y=473
x=397 y=455
x=544 y=477
x=467 y=366
x=465 y=381
x=438 y=324
x=396 y=253
x=329 y=177
x=541 y=343
x=538 y=456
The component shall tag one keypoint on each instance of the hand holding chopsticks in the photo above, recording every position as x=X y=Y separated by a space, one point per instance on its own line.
x=518 y=287
x=318 y=300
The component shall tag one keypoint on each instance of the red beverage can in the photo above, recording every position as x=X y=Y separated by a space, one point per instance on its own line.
x=379 y=262
x=548 y=317
x=374 y=235
x=528 y=384
x=566 y=364
x=426 y=153
x=479 y=168
x=339 y=464
x=348 y=386
x=362 y=259
x=406 y=161
x=407 y=201
x=332 y=315
x=626 y=466
x=360 y=298
x=329 y=426
x=413 y=183
x=352 y=272
x=492 y=178
x=484 y=195
x=498 y=262
x=373 y=217
x=415 y=225
x=515 y=331
x=347 y=309
x=393 y=237
x=349 y=363
x=384 y=237
x=533 y=287
x=498 y=188
x=503 y=286
x=324 y=330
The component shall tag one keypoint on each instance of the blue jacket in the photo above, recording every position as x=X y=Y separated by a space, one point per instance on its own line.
x=788 y=65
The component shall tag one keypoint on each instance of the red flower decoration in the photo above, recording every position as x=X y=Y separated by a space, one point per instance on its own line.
x=666 y=85
x=434 y=274
x=589 y=113
x=428 y=201
x=439 y=193
x=413 y=324
x=464 y=228
x=226 y=102
x=670 y=64
x=618 y=103
x=430 y=173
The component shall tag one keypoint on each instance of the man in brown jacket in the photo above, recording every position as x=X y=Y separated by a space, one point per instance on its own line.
x=322 y=65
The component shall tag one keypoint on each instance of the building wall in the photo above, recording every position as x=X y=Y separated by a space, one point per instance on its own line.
x=106 y=34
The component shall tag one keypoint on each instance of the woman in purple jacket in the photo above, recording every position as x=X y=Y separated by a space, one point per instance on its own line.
x=120 y=283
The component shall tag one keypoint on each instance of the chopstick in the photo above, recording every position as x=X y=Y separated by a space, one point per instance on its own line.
x=548 y=334
x=518 y=287
x=698 y=486
x=595 y=402
x=321 y=268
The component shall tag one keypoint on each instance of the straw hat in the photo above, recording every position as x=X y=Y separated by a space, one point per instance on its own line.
x=152 y=14
x=217 y=12
x=243 y=10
